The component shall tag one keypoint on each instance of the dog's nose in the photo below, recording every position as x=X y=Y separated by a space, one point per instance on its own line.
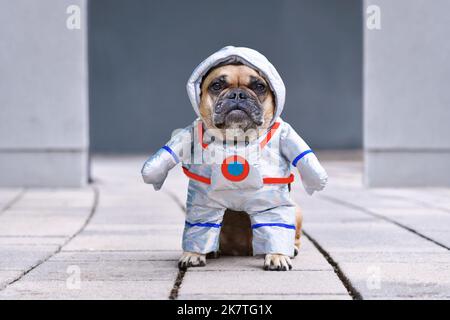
x=237 y=94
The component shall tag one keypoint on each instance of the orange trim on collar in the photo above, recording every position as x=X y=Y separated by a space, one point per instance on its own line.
x=269 y=135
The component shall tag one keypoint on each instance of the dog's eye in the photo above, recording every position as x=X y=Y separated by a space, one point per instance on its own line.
x=260 y=87
x=216 y=86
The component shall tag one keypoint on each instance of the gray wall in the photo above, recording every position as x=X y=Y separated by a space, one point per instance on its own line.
x=142 y=52
x=407 y=95
x=43 y=94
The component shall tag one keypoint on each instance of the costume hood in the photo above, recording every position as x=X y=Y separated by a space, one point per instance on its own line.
x=247 y=56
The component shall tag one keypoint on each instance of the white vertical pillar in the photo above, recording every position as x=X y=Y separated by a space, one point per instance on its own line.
x=407 y=94
x=43 y=93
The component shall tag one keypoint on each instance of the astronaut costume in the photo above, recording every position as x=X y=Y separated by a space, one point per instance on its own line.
x=241 y=176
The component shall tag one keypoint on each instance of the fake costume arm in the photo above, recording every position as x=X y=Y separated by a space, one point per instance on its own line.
x=295 y=149
x=157 y=167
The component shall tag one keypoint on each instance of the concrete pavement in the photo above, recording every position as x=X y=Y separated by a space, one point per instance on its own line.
x=118 y=239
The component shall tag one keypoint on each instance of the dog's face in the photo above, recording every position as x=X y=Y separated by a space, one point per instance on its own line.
x=236 y=97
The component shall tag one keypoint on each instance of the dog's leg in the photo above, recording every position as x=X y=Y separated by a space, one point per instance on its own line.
x=191 y=259
x=277 y=262
x=298 y=229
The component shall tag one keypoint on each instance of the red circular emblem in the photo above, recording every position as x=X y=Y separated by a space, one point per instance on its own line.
x=235 y=168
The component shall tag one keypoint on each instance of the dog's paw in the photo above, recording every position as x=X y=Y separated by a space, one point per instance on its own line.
x=191 y=259
x=277 y=262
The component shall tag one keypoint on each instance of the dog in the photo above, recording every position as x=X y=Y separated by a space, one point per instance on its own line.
x=238 y=204
x=219 y=115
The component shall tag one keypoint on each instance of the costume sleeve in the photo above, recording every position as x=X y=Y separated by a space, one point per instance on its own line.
x=295 y=149
x=157 y=167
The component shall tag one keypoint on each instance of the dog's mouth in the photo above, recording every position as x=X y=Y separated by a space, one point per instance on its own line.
x=235 y=116
x=243 y=115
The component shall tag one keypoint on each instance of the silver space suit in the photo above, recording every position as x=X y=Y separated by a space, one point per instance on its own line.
x=242 y=176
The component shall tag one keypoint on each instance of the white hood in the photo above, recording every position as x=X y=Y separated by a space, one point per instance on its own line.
x=243 y=55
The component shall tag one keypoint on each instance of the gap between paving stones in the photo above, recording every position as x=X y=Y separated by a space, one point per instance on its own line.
x=342 y=277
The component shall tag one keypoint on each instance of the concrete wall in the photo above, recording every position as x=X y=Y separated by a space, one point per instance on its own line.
x=43 y=94
x=407 y=94
x=142 y=53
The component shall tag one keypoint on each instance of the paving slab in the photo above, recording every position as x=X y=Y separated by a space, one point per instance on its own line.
x=36 y=225
x=152 y=238
x=23 y=257
x=57 y=226
x=124 y=270
x=24 y=240
x=393 y=275
x=55 y=199
x=90 y=290
x=371 y=237
x=430 y=197
x=399 y=280
x=261 y=282
x=125 y=255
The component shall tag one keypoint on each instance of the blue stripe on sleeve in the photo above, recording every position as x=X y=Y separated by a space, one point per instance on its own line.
x=301 y=155
x=175 y=157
